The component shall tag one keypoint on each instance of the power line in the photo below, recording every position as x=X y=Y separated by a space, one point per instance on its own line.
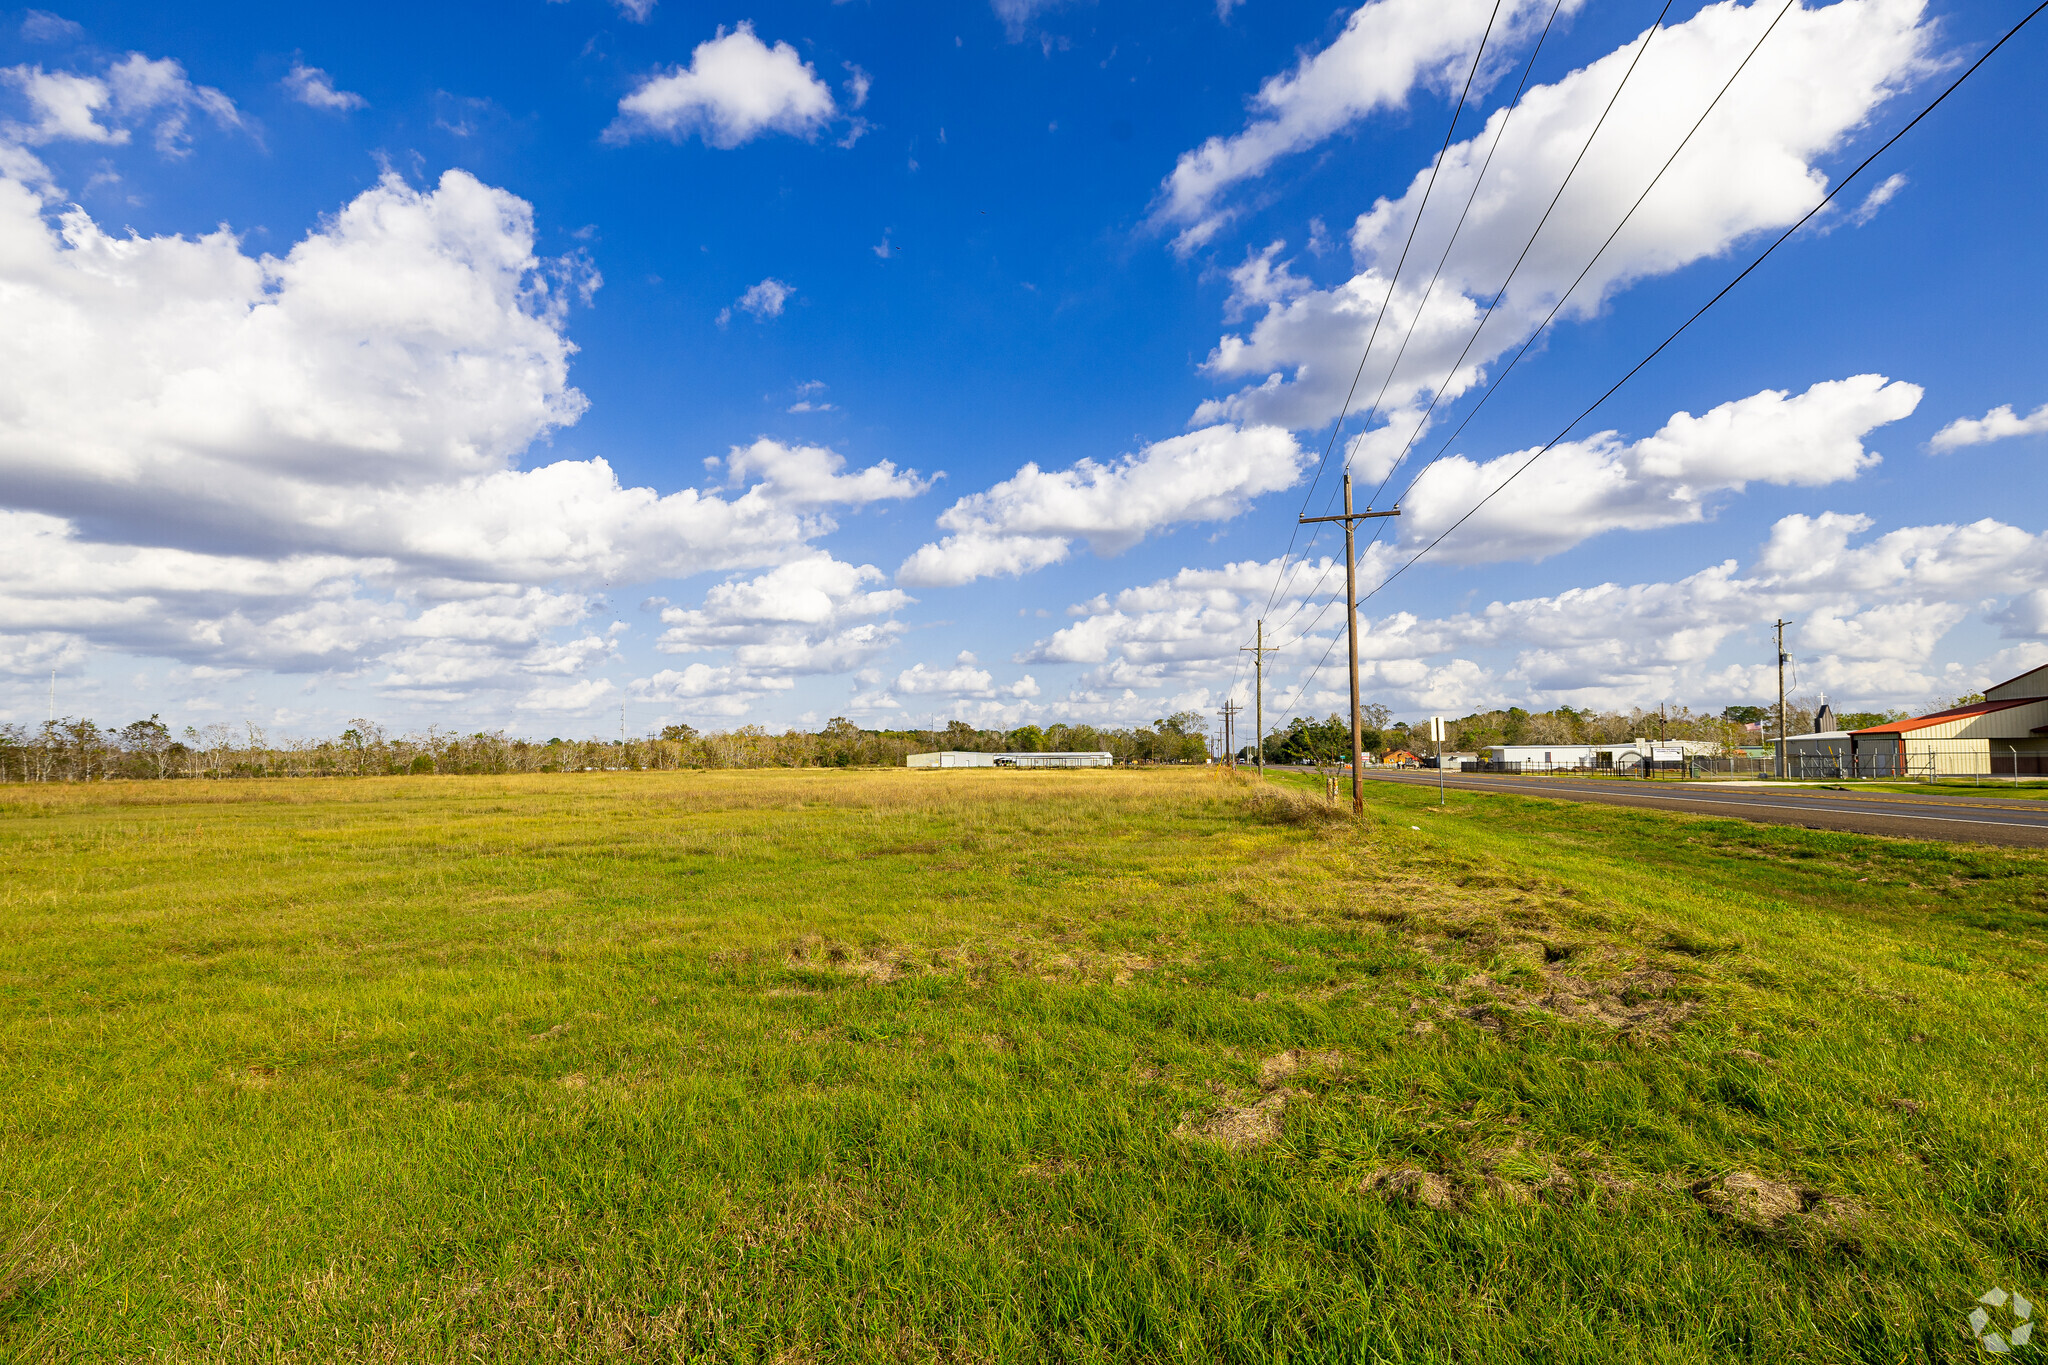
x=1414 y=226
x=1435 y=167
x=1684 y=326
x=1722 y=293
x=1471 y=198
x=1598 y=402
x=1415 y=318
x=1563 y=298
x=1501 y=293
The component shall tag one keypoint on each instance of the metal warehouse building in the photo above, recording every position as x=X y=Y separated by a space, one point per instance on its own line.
x=2006 y=734
x=957 y=758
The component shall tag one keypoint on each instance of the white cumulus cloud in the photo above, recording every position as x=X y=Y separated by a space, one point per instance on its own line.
x=1031 y=519
x=1386 y=49
x=1751 y=167
x=1871 y=616
x=814 y=614
x=315 y=461
x=1999 y=424
x=735 y=88
x=764 y=300
x=1580 y=489
x=964 y=679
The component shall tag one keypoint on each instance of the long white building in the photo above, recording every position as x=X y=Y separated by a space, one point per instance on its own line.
x=967 y=758
x=1624 y=755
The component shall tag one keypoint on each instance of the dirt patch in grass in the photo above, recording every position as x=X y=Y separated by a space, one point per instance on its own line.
x=1642 y=1003
x=1280 y=1066
x=251 y=1077
x=1412 y=1185
x=1754 y=1200
x=29 y=1261
x=1238 y=1128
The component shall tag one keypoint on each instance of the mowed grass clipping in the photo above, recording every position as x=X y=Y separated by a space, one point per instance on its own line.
x=1001 y=1066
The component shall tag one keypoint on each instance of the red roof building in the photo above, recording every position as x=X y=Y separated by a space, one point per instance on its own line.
x=2006 y=733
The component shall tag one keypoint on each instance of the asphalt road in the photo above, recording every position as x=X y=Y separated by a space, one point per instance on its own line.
x=1974 y=819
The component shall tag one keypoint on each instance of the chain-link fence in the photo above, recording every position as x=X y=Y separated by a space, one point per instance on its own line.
x=1925 y=766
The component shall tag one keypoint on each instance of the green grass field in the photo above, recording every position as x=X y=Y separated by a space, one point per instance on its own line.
x=970 y=1066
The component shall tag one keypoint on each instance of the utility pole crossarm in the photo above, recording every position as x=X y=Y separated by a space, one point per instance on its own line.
x=1352 y=516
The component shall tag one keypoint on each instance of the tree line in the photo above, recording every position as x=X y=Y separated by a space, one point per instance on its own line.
x=75 y=750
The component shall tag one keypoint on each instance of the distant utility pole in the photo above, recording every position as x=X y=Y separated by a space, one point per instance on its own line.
x=1782 y=657
x=1350 y=518
x=1229 y=712
x=1258 y=653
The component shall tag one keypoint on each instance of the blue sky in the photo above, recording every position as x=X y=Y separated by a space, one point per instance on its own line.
x=506 y=366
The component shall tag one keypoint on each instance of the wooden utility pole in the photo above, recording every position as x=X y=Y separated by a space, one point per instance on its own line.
x=1229 y=712
x=1258 y=653
x=1350 y=518
x=1782 y=656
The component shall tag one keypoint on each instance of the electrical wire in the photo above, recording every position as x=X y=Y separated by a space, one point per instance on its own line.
x=1720 y=294
x=1687 y=324
x=1563 y=298
x=1284 y=576
x=1415 y=318
x=1435 y=167
x=1527 y=246
x=1336 y=430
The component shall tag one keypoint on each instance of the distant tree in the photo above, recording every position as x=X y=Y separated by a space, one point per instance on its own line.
x=839 y=743
x=1073 y=738
x=1744 y=715
x=150 y=742
x=1027 y=739
x=1324 y=744
x=1863 y=720
x=1968 y=699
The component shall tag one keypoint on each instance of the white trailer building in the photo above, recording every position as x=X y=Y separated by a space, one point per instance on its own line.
x=963 y=758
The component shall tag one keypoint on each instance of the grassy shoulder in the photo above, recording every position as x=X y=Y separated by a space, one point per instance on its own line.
x=989 y=1065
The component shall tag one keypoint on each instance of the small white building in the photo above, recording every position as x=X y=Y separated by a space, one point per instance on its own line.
x=964 y=758
x=1544 y=755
